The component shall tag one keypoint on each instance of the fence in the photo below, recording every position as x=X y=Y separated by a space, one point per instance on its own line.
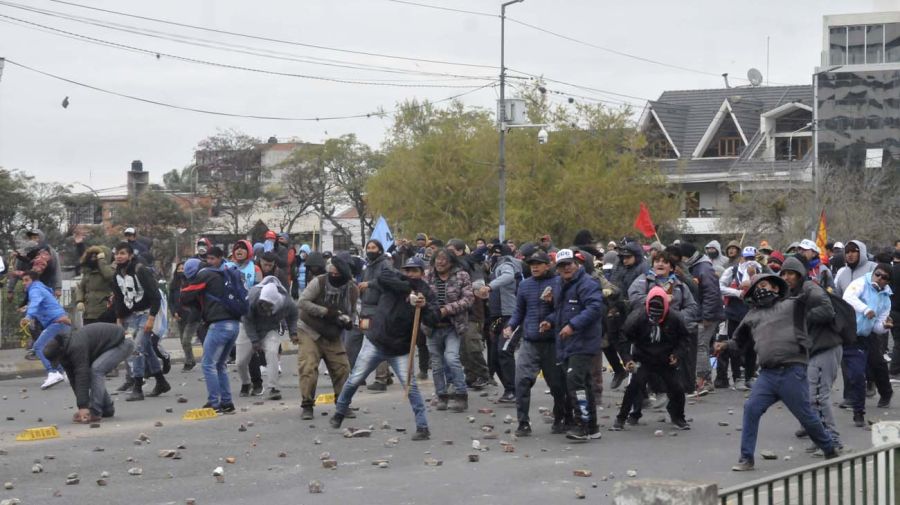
x=868 y=477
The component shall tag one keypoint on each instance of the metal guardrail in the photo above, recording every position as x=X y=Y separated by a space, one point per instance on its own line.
x=867 y=477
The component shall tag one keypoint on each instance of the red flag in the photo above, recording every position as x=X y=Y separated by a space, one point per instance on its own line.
x=822 y=238
x=643 y=223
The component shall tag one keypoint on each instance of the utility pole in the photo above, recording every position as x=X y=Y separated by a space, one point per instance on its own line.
x=502 y=120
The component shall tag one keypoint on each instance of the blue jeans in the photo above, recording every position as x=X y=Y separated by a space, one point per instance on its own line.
x=217 y=347
x=790 y=385
x=47 y=335
x=146 y=360
x=368 y=360
x=855 y=358
x=443 y=346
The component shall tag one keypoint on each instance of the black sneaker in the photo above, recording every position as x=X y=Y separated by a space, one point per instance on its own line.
x=618 y=425
x=257 y=390
x=245 y=391
x=128 y=384
x=508 y=397
x=188 y=367
x=594 y=433
x=844 y=404
x=274 y=394
x=579 y=433
x=336 y=420
x=721 y=383
x=208 y=405
x=421 y=434
x=226 y=408
x=377 y=387
x=479 y=384
x=306 y=413
x=801 y=433
x=885 y=401
x=524 y=430
x=681 y=424
x=859 y=420
x=166 y=364
x=633 y=421
x=559 y=427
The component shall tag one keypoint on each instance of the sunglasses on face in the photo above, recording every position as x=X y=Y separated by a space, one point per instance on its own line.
x=880 y=275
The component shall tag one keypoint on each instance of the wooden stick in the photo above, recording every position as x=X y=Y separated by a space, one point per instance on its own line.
x=412 y=349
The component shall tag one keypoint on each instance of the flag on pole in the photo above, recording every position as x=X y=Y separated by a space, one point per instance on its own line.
x=382 y=233
x=643 y=223
x=822 y=237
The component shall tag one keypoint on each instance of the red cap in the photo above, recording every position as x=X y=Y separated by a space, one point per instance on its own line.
x=270 y=235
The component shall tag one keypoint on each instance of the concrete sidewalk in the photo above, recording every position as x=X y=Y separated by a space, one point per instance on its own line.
x=13 y=364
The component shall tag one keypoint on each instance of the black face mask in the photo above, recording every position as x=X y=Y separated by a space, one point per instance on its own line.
x=713 y=255
x=337 y=281
x=764 y=297
x=372 y=256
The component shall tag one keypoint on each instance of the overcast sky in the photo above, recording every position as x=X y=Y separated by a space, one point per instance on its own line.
x=94 y=140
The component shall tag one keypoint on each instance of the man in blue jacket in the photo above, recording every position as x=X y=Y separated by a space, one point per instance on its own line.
x=45 y=309
x=538 y=351
x=578 y=307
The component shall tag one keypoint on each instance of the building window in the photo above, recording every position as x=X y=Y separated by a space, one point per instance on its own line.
x=341 y=242
x=864 y=44
x=730 y=146
x=792 y=148
x=658 y=146
x=837 y=45
x=875 y=44
x=892 y=43
x=692 y=204
x=856 y=45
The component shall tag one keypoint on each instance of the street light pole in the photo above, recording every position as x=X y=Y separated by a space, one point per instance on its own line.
x=502 y=119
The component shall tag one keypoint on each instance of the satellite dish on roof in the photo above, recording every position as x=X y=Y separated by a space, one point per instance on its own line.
x=755 y=77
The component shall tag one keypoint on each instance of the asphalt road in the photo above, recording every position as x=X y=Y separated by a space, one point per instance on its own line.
x=278 y=454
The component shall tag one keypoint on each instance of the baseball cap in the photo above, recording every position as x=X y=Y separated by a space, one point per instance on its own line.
x=564 y=256
x=809 y=245
x=538 y=257
x=270 y=235
x=749 y=252
x=129 y=231
x=414 y=262
x=838 y=245
x=764 y=246
x=421 y=236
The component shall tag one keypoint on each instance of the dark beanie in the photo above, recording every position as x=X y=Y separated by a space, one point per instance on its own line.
x=688 y=250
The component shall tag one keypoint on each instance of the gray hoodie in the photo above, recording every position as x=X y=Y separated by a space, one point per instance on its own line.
x=845 y=275
x=503 y=286
x=721 y=261
x=258 y=325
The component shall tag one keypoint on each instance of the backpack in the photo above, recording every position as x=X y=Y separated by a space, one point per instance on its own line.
x=235 y=299
x=844 y=319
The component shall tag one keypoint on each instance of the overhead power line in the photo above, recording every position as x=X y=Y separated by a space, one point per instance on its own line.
x=229 y=47
x=229 y=114
x=271 y=39
x=157 y=54
x=449 y=9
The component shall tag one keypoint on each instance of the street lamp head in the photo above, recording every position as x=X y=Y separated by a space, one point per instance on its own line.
x=543 y=136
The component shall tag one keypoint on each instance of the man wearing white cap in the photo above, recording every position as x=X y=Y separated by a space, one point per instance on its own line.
x=816 y=270
x=140 y=246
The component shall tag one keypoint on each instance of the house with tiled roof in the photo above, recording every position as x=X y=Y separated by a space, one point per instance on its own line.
x=712 y=143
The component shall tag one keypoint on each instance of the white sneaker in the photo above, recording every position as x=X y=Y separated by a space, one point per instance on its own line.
x=279 y=368
x=53 y=378
x=262 y=369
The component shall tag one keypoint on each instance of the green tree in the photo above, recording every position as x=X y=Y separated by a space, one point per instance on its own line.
x=440 y=173
x=158 y=217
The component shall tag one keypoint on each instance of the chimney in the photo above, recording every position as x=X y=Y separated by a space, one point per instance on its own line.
x=137 y=181
x=725 y=75
x=272 y=140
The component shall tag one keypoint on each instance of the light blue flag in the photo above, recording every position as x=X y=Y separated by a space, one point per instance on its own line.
x=383 y=234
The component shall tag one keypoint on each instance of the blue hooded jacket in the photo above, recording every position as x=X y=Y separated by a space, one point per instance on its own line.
x=42 y=305
x=579 y=304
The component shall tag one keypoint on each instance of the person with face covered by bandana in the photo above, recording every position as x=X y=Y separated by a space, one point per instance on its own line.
x=327 y=309
x=659 y=340
x=271 y=310
x=775 y=326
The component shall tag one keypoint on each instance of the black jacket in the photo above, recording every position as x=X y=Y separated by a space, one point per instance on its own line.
x=207 y=282
x=79 y=352
x=370 y=298
x=392 y=323
x=145 y=288
x=709 y=297
x=673 y=339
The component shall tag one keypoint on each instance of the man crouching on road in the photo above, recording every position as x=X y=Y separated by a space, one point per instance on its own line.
x=87 y=356
x=390 y=335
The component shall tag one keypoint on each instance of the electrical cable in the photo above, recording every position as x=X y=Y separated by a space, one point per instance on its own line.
x=271 y=39
x=229 y=114
x=157 y=54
